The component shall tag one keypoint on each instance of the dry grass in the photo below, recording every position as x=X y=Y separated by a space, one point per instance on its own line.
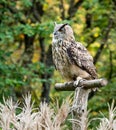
x=46 y=117
x=110 y=122
x=43 y=118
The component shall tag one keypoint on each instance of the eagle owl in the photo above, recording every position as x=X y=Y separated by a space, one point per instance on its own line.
x=71 y=58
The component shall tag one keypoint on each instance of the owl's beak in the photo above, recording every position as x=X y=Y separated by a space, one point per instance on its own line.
x=55 y=33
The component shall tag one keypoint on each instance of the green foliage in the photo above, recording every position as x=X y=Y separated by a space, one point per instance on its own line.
x=26 y=3
x=35 y=19
x=15 y=76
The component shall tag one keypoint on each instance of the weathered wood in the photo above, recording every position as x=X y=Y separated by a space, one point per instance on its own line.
x=86 y=84
x=79 y=107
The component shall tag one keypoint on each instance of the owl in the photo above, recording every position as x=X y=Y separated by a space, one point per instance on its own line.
x=71 y=58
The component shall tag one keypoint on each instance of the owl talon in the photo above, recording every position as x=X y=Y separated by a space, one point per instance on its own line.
x=76 y=83
x=78 y=80
x=81 y=80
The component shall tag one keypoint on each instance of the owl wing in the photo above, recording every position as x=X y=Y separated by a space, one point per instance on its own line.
x=79 y=56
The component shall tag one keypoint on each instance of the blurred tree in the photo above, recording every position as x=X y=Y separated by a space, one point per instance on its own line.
x=25 y=44
x=25 y=18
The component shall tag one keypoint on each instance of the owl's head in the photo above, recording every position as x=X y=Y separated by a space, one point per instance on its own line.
x=63 y=32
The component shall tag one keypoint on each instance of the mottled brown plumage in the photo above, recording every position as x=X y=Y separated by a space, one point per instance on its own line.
x=71 y=58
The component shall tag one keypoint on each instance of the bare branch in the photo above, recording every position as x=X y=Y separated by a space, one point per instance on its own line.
x=86 y=84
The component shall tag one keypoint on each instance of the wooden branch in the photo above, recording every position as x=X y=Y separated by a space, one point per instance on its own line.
x=79 y=108
x=86 y=84
x=81 y=93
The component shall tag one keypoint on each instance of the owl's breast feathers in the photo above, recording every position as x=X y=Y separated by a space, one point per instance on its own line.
x=72 y=59
x=60 y=56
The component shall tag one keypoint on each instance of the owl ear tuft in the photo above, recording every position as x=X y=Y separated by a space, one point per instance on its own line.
x=63 y=26
x=55 y=23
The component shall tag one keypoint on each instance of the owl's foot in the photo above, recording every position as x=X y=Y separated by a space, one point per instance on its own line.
x=78 y=80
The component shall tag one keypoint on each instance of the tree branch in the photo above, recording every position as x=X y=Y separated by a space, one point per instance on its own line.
x=73 y=8
x=70 y=86
x=47 y=76
x=106 y=36
x=62 y=9
x=111 y=65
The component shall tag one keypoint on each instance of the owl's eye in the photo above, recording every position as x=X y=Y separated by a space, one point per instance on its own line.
x=61 y=30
